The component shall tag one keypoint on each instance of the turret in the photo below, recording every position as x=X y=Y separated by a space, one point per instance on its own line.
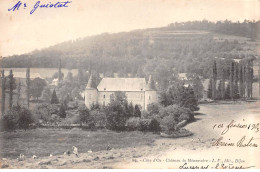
x=150 y=92
x=150 y=85
x=90 y=93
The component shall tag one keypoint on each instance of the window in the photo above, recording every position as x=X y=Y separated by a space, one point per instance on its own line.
x=149 y=97
x=104 y=88
x=104 y=96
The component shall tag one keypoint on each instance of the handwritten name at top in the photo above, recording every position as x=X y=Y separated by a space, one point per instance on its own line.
x=38 y=5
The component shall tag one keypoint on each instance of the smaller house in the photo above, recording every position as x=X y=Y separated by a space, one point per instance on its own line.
x=182 y=76
x=55 y=82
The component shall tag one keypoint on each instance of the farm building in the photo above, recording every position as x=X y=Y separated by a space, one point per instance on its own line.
x=136 y=89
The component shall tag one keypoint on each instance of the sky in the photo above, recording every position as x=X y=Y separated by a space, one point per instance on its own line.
x=21 y=32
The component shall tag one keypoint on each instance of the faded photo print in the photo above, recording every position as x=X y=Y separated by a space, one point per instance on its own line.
x=129 y=84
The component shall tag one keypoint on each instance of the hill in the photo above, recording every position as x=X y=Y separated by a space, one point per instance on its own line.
x=184 y=47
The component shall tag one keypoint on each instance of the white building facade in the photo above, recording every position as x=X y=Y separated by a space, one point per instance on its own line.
x=136 y=90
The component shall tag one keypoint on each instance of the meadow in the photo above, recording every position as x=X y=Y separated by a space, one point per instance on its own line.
x=43 y=142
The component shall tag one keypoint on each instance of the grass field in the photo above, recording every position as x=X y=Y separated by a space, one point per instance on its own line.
x=43 y=142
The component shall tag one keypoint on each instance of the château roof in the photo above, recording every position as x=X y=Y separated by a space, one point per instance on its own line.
x=90 y=84
x=150 y=84
x=122 y=84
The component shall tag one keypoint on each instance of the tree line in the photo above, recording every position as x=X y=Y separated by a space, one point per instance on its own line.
x=239 y=76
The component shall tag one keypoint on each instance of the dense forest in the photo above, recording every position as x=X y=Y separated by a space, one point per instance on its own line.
x=180 y=47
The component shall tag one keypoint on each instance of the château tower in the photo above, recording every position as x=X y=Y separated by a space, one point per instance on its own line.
x=91 y=93
x=150 y=93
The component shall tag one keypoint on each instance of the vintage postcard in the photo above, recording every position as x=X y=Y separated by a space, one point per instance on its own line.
x=130 y=84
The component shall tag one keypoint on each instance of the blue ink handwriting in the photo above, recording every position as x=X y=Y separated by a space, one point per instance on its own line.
x=39 y=5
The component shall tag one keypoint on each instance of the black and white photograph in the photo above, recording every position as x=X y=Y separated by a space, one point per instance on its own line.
x=129 y=84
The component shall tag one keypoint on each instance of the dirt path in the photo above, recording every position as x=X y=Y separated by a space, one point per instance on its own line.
x=169 y=153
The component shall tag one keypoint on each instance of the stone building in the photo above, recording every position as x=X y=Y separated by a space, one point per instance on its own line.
x=136 y=90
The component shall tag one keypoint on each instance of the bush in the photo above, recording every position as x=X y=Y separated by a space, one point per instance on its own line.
x=178 y=113
x=75 y=104
x=17 y=118
x=141 y=124
x=54 y=118
x=25 y=118
x=99 y=118
x=154 y=126
x=153 y=108
x=185 y=114
x=169 y=110
x=9 y=122
x=169 y=123
x=43 y=112
x=144 y=125
x=133 y=124
x=95 y=107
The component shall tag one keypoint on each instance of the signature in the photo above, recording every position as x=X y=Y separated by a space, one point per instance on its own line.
x=218 y=166
x=38 y=4
x=241 y=143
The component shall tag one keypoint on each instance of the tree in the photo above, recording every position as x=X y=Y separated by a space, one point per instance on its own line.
x=227 y=92
x=80 y=76
x=54 y=98
x=231 y=80
x=240 y=79
x=62 y=112
x=3 y=92
x=37 y=86
x=98 y=118
x=189 y=100
x=222 y=84
x=116 y=112
x=137 y=111
x=214 y=80
x=84 y=114
x=69 y=77
x=18 y=92
x=28 y=85
x=198 y=87
x=60 y=77
x=236 y=91
x=75 y=93
x=209 y=92
x=180 y=95
x=10 y=120
x=218 y=91
x=130 y=109
x=46 y=94
x=11 y=88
